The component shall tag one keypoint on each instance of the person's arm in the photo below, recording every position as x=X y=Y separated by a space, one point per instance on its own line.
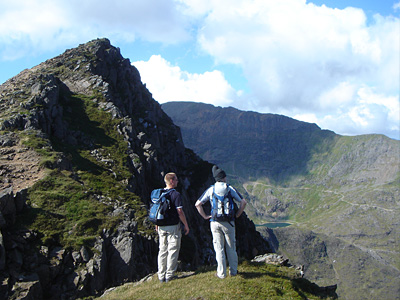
x=243 y=204
x=182 y=217
x=200 y=209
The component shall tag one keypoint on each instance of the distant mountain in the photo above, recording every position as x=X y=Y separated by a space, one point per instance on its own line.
x=248 y=144
x=339 y=192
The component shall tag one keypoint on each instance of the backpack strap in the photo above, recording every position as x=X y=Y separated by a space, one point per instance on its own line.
x=166 y=193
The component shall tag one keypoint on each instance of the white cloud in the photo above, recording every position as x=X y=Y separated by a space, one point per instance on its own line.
x=284 y=45
x=339 y=96
x=307 y=117
x=27 y=25
x=368 y=113
x=169 y=83
x=389 y=104
x=307 y=60
x=44 y=25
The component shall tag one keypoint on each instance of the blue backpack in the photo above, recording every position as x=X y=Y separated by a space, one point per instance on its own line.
x=160 y=204
x=223 y=208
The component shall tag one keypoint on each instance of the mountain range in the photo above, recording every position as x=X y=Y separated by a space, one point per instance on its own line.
x=340 y=193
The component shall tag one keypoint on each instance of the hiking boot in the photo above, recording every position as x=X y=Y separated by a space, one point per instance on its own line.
x=169 y=279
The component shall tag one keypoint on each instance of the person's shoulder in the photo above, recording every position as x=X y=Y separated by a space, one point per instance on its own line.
x=175 y=193
x=210 y=189
x=234 y=190
x=207 y=193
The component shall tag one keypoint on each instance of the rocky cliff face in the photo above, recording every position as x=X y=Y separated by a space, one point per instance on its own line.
x=82 y=145
x=276 y=146
x=340 y=193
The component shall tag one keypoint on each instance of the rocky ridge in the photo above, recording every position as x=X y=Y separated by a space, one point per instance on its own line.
x=83 y=127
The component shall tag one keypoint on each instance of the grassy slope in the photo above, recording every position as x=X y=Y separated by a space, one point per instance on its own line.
x=72 y=208
x=255 y=281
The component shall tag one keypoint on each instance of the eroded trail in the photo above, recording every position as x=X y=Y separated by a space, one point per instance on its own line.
x=19 y=167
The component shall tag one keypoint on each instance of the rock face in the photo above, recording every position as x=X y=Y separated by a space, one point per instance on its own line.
x=341 y=193
x=275 y=146
x=83 y=127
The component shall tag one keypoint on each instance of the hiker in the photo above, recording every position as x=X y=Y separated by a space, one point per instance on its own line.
x=222 y=227
x=170 y=232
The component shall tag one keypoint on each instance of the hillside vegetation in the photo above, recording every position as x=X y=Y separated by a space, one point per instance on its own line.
x=254 y=281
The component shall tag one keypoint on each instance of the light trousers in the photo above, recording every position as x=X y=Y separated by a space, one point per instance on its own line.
x=170 y=244
x=224 y=240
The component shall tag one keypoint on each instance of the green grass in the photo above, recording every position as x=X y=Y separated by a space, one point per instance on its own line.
x=71 y=208
x=32 y=139
x=64 y=213
x=255 y=281
x=98 y=131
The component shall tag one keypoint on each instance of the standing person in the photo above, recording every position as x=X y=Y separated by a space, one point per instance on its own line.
x=223 y=231
x=170 y=234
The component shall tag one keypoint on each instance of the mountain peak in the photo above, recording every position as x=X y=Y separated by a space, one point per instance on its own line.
x=83 y=143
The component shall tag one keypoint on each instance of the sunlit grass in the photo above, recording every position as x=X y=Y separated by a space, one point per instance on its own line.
x=254 y=281
x=71 y=208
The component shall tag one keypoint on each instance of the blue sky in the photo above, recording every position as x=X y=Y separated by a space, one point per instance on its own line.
x=333 y=63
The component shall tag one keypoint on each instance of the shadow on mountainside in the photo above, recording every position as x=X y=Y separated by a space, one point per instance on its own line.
x=249 y=144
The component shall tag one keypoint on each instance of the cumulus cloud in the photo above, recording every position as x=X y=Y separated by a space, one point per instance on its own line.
x=169 y=83
x=368 y=112
x=289 y=48
x=26 y=26
x=44 y=25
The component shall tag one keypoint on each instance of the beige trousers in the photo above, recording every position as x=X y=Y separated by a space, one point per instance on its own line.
x=170 y=244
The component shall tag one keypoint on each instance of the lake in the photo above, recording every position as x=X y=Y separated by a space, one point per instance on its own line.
x=275 y=225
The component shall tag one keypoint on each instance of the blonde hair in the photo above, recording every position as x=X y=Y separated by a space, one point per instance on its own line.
x=169 y=176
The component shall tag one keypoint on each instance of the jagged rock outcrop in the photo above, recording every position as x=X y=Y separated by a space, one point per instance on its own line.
x=50 y=136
